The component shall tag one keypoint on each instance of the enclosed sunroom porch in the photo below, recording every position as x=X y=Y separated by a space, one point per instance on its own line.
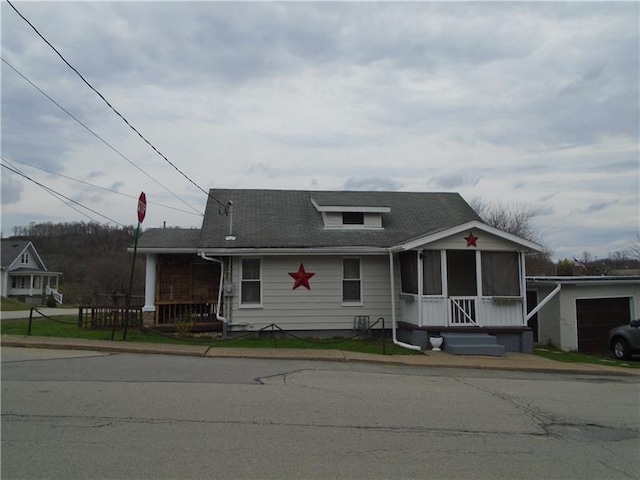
x=466 y=279
x=462 y=288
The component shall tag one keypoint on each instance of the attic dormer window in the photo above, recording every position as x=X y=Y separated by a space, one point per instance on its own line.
x=24 y=259
x=352 y=218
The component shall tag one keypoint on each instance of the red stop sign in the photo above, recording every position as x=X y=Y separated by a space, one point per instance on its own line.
x=142 y=207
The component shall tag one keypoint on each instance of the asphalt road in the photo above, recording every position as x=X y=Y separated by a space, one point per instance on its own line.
x=72 y=414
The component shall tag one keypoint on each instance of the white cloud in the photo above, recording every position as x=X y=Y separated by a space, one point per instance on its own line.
x=513 y=102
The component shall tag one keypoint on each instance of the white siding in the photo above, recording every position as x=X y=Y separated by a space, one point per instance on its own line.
x=486 y=241
x=501 y=313
x=334 y=220
x=549 y=318
x=434 y=311
x=321 y=307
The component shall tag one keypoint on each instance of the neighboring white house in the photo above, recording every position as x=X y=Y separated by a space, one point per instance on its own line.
x=576 y=313
x=314 y=260
x=24 y=275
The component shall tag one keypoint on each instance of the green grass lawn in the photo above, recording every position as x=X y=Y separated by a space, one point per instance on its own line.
x=575 y=357
x=10 y=305
x=67 y=327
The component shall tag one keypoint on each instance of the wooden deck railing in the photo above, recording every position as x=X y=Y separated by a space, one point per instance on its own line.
x=96 y=316
x=188 y=311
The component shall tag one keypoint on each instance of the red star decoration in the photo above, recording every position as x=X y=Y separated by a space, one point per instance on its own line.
x=301 y=278
x=471 y=240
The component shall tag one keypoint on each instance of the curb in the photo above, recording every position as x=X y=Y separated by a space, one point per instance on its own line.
x=427 y=360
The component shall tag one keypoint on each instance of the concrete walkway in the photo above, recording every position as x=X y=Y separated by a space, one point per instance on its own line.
x=511 y=361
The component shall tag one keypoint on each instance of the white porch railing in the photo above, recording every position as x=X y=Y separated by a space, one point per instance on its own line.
x=56 y=295
x=438 y=311
x=462 y=311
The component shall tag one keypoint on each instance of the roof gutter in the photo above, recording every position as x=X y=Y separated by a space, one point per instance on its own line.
x=393 y=309
x=219 y=317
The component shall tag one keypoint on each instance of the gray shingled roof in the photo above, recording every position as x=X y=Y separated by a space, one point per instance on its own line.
x=288 y=219
x=170 y=238
x=11 y=249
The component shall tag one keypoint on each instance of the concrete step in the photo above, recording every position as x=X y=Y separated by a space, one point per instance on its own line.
x=468 y=338
x=493 y=350
x=472 y=344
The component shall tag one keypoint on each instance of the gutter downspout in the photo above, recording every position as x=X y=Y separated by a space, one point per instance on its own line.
x=393 y=310
x=224 y=321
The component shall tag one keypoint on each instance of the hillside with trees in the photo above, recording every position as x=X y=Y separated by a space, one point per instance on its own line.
x=92 y=258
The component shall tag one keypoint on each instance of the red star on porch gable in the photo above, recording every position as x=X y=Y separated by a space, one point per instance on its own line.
x=471 y=240
x=301 y=278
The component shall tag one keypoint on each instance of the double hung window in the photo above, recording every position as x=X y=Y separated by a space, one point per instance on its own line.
x=351 y=281
x=251 y=284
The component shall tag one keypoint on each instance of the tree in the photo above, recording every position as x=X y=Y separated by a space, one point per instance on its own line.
x=517 y=220
x=566 y=267
x=634 y=249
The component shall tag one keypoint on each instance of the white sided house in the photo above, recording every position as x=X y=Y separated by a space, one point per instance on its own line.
x=320 y=261
x=24 y=276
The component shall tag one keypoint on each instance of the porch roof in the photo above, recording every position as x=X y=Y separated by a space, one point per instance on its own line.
x=425 y=240
x=33 y=271
x=186 y=240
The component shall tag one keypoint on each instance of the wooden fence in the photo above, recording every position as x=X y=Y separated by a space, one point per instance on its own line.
x=93 y=316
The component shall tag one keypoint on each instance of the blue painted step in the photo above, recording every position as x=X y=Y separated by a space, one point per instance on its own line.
x=472 y=344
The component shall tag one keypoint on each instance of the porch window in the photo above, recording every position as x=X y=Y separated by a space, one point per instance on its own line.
x=251 y=282
x=409 y=272
x=500 y=274
x=351 y=281
x=431 y=272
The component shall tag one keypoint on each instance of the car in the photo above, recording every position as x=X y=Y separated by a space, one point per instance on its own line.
x=624 y=341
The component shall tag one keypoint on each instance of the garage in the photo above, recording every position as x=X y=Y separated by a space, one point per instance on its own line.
x=575 y=313
x=596 y=316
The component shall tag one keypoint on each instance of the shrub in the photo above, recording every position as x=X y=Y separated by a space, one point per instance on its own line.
x=183 y=326
x=51 y=302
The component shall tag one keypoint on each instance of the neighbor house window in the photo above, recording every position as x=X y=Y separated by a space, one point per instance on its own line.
x=353 y=218
x=500 y=274
x=251 y=282
x=24 y=259
x=351 y=281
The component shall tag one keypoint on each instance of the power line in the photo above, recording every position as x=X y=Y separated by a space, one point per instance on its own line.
x=58 y=194
x=95 y=134
x=114 y=110
x=99 y=187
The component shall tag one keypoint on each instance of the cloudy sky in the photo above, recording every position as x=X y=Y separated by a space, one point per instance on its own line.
x=518 y=103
